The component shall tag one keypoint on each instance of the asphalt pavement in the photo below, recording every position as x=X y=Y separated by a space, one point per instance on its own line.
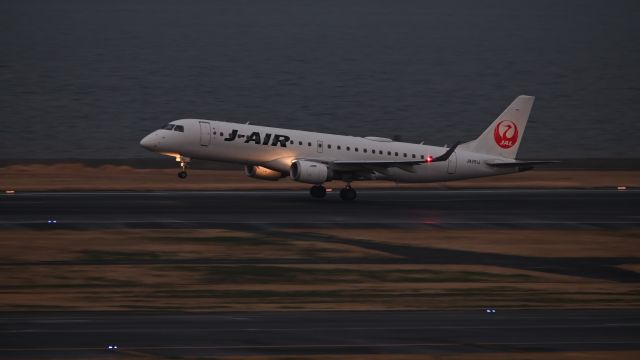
x=385 y=208
x=88 y=335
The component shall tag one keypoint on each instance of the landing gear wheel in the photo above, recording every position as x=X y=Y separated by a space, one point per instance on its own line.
x=348 y=194
x=183 y=165
x=318 y=191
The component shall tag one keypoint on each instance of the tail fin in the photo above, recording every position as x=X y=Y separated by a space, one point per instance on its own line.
x=504 y=135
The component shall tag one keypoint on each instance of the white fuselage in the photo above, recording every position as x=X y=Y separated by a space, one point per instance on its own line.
x=276 y=149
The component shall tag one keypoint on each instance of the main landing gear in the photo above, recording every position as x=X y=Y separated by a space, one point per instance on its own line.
x=183 y=165
x=318 y=191
x=346 y=194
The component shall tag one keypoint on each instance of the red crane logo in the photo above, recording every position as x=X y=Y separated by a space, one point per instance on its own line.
x=506 y=134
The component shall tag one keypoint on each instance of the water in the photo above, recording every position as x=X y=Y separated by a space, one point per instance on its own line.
x=89 y=78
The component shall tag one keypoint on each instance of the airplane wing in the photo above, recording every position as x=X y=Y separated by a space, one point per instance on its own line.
x=382 y=165
x=516 y=163
x=379 y=166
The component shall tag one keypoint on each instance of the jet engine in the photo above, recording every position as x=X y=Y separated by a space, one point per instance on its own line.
x=310 y=172
x=262 y=173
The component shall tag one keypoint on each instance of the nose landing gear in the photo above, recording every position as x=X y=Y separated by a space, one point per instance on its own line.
x=184 y=161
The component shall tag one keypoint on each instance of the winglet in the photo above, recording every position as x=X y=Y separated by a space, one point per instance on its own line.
x=446 y=155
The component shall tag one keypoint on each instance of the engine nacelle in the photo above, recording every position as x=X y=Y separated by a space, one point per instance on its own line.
x=262 y=173
x=310 y=172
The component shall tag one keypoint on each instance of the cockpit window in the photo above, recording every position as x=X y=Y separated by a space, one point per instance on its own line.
x=174 y=127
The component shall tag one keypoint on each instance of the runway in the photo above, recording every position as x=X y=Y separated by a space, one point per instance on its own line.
x=385 y=208
x=85 y=335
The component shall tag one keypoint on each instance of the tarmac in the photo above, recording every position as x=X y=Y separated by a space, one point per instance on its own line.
x=382 y=208
x=89 y=335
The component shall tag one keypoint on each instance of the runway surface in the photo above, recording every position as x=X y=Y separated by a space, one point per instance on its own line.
x=395 y=208
x=87 y=335
x=78 y=335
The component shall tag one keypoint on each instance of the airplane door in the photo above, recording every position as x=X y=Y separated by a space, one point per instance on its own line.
x=319 y=146
x=452 y=163
x=205 y=133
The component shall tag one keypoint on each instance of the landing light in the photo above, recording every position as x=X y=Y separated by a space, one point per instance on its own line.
x=429 y=159
x=10 y=192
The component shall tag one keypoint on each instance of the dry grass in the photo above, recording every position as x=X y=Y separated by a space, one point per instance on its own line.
x=31 y=245
x=61 y=177
x=146 y=281
x=539 y=243
x=320 y=287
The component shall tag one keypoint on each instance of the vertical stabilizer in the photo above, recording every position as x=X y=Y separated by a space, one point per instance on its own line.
x=504 y=136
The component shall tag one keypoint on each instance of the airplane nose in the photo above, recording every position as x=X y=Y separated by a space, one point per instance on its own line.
x=149 y=142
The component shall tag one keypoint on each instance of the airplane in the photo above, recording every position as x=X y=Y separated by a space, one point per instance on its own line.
x=309 y=157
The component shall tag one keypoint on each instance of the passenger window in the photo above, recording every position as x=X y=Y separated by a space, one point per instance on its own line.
x=348 y=148
x=356 y=149
x=309 y=144
x=329 y=146
x=291 y=142
x=413 y=156
x=221 y=133
x=339 y=147
x=364 y=150
x=422 y=157
x=380 y=152
x=396 y=153
x=179 y=128
x=389 y=153
x=300 y=143
x=405 y=154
